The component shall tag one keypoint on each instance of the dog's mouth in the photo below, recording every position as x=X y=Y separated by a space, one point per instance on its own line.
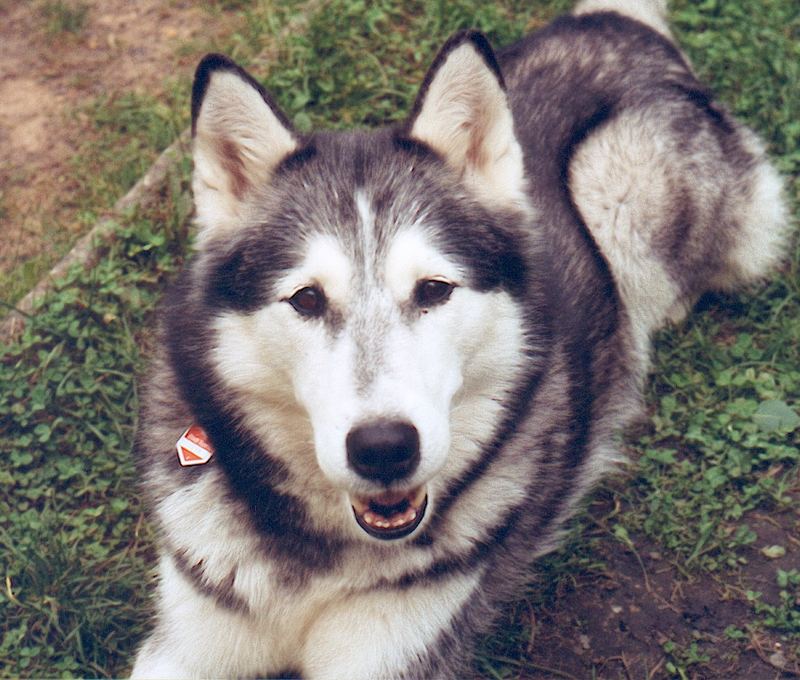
x=390 y=515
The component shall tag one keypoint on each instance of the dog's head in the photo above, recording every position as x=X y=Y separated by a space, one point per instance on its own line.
x=364 y=289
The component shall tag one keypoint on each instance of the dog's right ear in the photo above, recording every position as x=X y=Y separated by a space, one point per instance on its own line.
x=240 y=137
x=462 y=112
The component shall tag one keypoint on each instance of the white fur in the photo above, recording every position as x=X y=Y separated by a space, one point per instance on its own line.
x=225 y=641
x=367 y=231
x=653 y=13
x=619 y=184
x=328 y=266
x=761 y=242
x=368 y=636
x=412 y=258
x=328 y=622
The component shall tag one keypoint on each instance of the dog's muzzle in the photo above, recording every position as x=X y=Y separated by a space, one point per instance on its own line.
x=391 y=515
x=386 y=452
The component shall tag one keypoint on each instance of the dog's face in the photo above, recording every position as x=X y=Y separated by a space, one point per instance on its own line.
x=365 y=288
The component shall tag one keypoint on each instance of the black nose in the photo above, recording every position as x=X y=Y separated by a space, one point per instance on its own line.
x=384 y=451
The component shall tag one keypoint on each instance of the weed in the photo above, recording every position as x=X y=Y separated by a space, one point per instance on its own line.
x=785 y=616
x=70 y=520
x=23 y=277
x=681 y=659
x=130 y=131
x=64 y=16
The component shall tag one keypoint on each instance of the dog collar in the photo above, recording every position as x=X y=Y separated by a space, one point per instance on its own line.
x=193 y=447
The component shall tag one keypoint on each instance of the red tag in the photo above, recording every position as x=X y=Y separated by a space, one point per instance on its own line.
x=193 y=447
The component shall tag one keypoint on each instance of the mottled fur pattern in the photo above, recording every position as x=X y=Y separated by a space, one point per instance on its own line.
x=487 y=276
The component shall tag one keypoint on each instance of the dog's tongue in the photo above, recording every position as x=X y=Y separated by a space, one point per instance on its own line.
x=390 y=515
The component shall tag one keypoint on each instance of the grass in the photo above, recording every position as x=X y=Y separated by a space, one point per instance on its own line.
x=718 y=455
x=70 y=524
x=130 y=129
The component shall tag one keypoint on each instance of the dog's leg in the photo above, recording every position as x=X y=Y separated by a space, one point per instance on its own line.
x=390 y=634
x=680 y=202
x=621 y=183
x=197 y=638
x=680 y=197
x=156 y=660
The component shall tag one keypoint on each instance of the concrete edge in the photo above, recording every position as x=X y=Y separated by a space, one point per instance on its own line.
x=85 y=252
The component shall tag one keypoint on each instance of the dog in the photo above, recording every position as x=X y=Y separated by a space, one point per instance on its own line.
x=400 y=358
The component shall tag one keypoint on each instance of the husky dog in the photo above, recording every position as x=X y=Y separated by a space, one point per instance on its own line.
x=411 y=350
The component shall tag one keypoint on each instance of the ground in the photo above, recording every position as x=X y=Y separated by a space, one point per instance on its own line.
x=623 y=620
x=58 y=57
x=684 y=566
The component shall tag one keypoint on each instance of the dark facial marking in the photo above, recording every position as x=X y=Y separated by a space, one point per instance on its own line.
x=241 y=278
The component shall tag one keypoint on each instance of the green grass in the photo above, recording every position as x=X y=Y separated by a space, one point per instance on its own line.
x=720 y=447
x=130 y=130
x=72 y=536
x=713 y=453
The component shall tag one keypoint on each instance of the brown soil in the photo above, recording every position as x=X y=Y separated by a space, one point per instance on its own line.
x=614 y=625
x=47 y=75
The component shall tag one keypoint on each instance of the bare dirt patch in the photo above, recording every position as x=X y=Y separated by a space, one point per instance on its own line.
x=643 y=617
x=48 y=73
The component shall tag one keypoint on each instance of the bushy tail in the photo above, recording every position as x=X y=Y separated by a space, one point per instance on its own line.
x=650 y=12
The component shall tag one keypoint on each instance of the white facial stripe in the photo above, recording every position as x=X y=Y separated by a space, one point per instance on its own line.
x=325 y=264
x=367 y=232
x=447 y=372
x=411 y=257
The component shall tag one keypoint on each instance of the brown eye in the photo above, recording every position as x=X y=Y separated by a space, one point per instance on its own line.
x=432 y=292
x=309 y=301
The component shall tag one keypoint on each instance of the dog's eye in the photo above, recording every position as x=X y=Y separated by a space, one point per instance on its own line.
x=309 y=301
x=432 y=292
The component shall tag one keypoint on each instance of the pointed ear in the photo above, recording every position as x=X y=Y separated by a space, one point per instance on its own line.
x=239 y=138
x=462 y=112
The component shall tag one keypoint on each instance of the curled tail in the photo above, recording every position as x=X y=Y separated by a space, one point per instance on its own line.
x=653 y=13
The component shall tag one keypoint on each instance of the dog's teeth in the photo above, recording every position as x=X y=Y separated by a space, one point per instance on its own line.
x=396 y=520
x=405 y=519
x=375 y=521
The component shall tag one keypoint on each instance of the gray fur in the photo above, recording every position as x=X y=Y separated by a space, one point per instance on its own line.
x=264 y=553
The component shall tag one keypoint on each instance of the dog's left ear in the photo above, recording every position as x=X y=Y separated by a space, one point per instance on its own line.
x=462 y=113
